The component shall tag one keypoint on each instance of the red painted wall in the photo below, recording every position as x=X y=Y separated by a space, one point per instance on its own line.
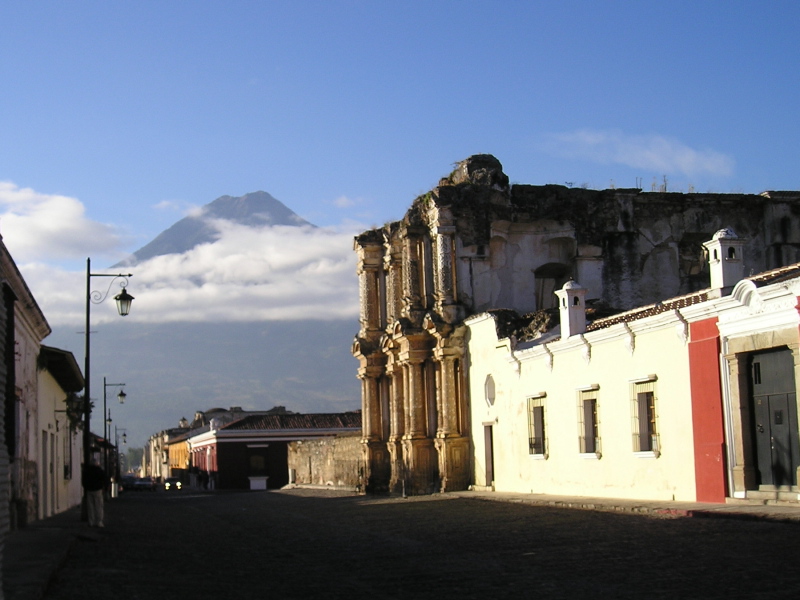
x=708 y=428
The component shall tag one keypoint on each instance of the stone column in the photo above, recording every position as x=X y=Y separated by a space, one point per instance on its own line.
x=445 y=278
x=448 y=398
x=419 y=455
x=743 y=469
x=371 y=404
x=397 y=427
x=416 y=400
x=413 y=308
x=393 y=267
x=370 y=265
x=375 y=454
x=396 y=403
x=368 y=288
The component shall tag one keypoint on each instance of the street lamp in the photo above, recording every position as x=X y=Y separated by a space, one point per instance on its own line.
x=107 y=440
x=121 y=396
x=123 y=300
x=124 y=443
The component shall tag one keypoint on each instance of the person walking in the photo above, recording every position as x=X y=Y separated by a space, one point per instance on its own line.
x=95 y=481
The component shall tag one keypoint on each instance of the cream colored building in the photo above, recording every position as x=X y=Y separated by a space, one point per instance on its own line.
x=60 y=441
x=578 y=395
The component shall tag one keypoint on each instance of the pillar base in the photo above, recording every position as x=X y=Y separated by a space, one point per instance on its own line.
x=454 y=463
x=377 y=466
x=398 y=467
x=744 y=478
x=422 y=466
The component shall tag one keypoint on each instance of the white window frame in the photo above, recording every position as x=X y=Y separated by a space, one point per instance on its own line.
x=589 y=394
x=536 y=405
x=645 y=433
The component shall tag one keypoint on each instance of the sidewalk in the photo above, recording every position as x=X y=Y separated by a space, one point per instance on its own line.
x=735 y=509
x=32 y=555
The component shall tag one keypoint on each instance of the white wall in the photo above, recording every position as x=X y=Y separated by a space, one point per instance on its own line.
x=619 y=472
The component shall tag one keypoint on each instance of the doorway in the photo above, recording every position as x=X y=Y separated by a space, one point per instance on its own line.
x=488 y=440
x=774 y=404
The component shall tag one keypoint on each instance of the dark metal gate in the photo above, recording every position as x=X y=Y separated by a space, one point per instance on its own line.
x=775 y=417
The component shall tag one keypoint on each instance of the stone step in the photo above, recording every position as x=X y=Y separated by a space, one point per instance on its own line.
x=768 y=496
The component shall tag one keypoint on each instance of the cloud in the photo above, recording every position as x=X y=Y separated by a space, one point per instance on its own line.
x=38 y=227
x=344 y=202
x=177 y=206
x=661 y=154
x=248 y=274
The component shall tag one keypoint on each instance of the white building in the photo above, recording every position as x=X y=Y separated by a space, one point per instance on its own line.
x=693 y=398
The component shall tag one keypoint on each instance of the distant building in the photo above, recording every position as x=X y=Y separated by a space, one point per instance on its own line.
x=253 y=452
x=475 y=244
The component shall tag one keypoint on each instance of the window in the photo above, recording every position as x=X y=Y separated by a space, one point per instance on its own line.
x=588 y=431
x=488 y=388
x=645 y=417
x=536 y=431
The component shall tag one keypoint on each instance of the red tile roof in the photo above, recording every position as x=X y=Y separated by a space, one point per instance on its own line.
x=776 y=275
x=649 y=310
x=348 y=420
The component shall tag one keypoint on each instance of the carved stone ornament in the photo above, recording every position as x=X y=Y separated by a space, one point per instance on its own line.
x=682 y=328
x=548 y=358
x=629 y=339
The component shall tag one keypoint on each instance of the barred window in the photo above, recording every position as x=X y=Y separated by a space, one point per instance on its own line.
x=536 y=427
x=588 y=423
x=645 y=416
x=537 y=443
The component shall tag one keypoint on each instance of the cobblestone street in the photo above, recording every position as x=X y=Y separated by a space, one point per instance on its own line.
x=317 y=544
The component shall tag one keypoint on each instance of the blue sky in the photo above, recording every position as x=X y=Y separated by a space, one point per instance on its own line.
x=347 y=110
x=116 y=118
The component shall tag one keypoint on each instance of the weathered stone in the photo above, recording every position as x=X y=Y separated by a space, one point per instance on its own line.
x=475 y=243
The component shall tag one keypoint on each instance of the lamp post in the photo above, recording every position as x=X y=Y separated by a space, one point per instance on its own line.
x=107 y=440
x=123 y=300
x=124 y=443
x=121 y=396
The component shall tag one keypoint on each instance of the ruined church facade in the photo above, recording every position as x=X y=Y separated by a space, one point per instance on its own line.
x=475 y=243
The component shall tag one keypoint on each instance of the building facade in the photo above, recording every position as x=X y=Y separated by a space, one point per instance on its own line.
x=253 y=451
x=59 y=462
x=26 y=328
x=475 y=243
x=692 y=399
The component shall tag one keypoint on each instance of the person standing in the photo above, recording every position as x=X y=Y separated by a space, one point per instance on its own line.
x=95 y=481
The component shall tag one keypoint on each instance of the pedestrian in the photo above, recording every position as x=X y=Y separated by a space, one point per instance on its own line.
x=95 y=481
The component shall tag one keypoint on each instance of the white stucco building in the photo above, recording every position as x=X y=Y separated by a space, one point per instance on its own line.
x=692 y=399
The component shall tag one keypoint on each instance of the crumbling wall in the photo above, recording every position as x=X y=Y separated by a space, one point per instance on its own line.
x=633 y=247
x=332 y=462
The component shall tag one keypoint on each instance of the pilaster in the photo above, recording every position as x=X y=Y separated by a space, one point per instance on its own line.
x=453 y=453
x=420 y=457
x=413 y=308
x=393 y=267
x=369 y=269
x=743 y=469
